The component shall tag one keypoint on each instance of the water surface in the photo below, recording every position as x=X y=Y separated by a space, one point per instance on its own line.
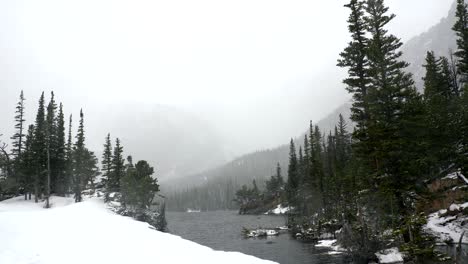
x=221 y=230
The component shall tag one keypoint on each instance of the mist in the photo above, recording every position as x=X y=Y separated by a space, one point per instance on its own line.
x=230 y=76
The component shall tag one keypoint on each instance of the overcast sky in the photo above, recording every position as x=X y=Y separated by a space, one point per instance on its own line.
x=256 y=70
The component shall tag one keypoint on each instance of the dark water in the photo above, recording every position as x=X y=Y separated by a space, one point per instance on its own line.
x=221 y=230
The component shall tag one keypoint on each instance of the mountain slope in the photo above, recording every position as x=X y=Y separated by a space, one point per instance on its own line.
x=439 y=38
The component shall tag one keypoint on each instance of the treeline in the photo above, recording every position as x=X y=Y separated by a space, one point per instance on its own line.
x=216 y=195
x=372 y=180
x=46 y=160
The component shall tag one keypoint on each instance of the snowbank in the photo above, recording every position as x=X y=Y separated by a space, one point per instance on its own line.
x=89 y=233
x=391 y=255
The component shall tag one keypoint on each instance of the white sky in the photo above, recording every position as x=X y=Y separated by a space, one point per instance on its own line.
x=255 y=69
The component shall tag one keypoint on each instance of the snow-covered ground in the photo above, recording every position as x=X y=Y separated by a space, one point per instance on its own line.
x=448 y=228
x=89 y=233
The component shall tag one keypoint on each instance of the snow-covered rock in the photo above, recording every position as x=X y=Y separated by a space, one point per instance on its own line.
x=279 y=210
x=448 y=228
x=335 y=248
x=391 y=255
x=88 y=232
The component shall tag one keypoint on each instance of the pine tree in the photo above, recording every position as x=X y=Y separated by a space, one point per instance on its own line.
x=51 y=141
x=396 y=111
x=463 y=152
x=19 y=137
x=39 y=147
x=61 y=155
x=355 y=59
x=138 y=186
x=107 y=160
x=293 y=176
x=461 y=30
x=79 y=158
x=440 y=109
x=118 y=168
x=255 y=190
x=69 y=159
x=28 y=164
x=317 y=162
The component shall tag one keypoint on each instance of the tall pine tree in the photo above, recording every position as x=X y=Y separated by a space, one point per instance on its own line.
x=19 y=136
x=118 y=168
x=39 y=147
x=79 y=158
x=107 y=160
x=60 y=158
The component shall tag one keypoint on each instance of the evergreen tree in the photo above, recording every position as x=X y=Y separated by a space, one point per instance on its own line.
x=79 y=158
x=293 y=176
x=463 y=145
x=18 y=137
x=255 y=189
x=60 y=158
x=439 y=105
x=69 y=159
x=39 y=147
x=118 y=168
x=138 y=186
x=461 y=30
x=52 y=141
x=317 y=162
x=107 y=160
x=28 y=164
x=355 y=59
x=90 y=170
x=274 y=186
x=51 y=138
x=392 y=88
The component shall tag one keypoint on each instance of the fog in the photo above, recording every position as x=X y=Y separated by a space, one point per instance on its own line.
x=236 y=76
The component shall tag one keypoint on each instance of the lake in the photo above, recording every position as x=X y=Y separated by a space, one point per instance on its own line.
x=221 y=230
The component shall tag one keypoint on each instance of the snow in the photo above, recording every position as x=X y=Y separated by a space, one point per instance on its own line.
x=87 y=232
x=336 y=249
x=449 y=228
x=454 y=207
x=452 y=176
x=456 y=175
x=391 y=255
x=326 y=243
x=279 y=210
x=463 y=177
